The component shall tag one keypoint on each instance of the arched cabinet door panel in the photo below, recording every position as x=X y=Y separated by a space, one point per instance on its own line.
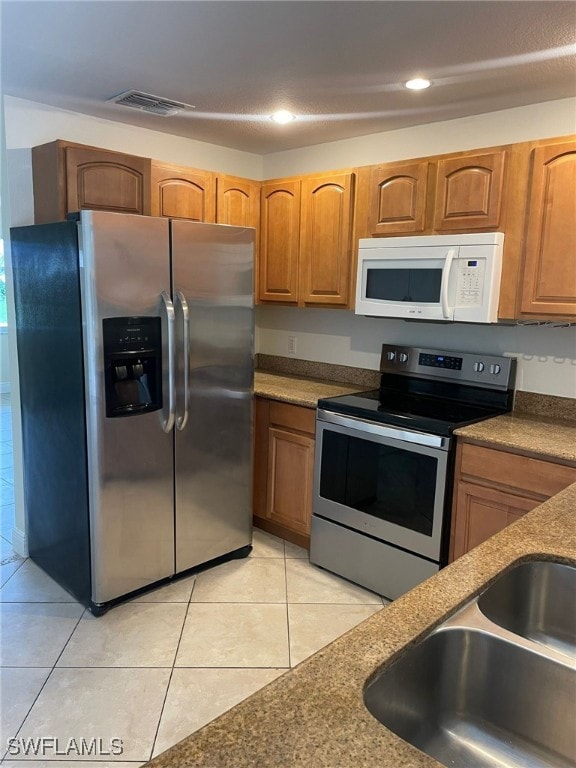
x=182 y=193
x=549 y=285
x=280 y=242
x=469 y=192
x=107 y=181
x=398 y=199
x=326 y=239
x=237 y=201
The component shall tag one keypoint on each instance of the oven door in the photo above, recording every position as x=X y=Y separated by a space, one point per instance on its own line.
x=381 y=481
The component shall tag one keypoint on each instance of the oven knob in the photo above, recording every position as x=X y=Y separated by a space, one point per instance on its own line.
x=391 y=356
x=495 y=368
x=403 y=357
x=478 y=367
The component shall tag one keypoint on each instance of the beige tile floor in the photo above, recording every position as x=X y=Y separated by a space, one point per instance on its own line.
x=157 y=668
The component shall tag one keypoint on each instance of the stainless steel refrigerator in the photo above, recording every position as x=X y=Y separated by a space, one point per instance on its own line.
x=135 y=351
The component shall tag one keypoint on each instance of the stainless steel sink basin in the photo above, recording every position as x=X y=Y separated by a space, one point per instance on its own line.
x=494 y=686
x=473 y=700
x=536 y=600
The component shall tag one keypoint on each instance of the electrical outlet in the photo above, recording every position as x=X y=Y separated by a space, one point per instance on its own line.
x=291 y=345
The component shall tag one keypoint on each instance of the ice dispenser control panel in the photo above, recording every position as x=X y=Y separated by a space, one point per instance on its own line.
x=132 y=365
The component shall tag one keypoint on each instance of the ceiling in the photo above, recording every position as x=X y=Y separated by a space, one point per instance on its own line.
x=338 y=65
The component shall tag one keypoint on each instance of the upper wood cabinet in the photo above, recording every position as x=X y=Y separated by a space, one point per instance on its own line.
x=548 y=286
x=326 y=239
x=469 y=192
x=237 y=201
x=71 y=177
x=182 y=193
x=452 y=193
x=398 y=200
x=306 y=240
x=279 y=242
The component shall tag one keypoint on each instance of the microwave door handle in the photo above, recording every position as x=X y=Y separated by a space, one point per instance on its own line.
x=446 y=309
x=181 y=421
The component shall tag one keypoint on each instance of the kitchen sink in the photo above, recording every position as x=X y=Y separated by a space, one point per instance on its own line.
x=494 y=686
x=536 y=600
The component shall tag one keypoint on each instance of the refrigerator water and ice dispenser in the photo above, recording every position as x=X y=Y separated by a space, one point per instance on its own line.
x=132 y=365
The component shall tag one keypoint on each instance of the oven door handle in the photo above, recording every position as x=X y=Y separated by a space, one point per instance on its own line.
x=381 y=430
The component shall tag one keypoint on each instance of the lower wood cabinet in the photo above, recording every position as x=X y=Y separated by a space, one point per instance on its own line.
x=494 y=488
x=284 y=469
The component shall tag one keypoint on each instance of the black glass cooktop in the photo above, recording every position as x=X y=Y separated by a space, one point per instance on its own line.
x=434 y=415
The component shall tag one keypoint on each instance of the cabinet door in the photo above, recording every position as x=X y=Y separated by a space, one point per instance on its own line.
x=549 y=285
x=182 y=193
x=279 y=242
x=237 y=202
x=398 y=198
x=481 y=512
x=326 y=240
x=107 y=181
x=469 y=192
x=290 y=478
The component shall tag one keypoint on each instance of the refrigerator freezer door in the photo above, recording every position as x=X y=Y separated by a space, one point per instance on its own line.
x=213 y=271
x=125 y=267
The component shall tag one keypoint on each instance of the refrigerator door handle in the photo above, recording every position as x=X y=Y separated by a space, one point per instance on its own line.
x=171 y=318
x=181 y=421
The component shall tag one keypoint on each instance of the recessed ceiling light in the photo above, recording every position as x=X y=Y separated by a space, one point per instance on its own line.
x=283 y=116
x=418 y=84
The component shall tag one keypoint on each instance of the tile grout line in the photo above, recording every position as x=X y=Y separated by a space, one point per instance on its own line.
x=45 y=681
x=172 y=669
x=287 y=609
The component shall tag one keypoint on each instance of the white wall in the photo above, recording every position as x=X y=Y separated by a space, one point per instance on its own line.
x=537 y=121
x=29 y=124
x=546 y=356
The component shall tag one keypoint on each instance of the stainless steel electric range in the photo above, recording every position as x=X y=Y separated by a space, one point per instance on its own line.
x=384 y=464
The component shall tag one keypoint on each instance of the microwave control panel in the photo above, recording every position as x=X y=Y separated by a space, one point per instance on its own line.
x=470 y=280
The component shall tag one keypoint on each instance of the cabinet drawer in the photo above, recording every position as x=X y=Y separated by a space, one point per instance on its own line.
x=530 y=476
x=293 y=416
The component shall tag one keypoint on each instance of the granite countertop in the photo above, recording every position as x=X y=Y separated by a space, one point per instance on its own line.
x=299 y=390
x=526 y=433
x=314 y=715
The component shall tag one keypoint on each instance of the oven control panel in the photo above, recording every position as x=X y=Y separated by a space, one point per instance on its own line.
x=440 y=361
x=479 y=369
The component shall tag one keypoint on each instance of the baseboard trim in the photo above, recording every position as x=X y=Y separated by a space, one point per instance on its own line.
x=19 y=542
x=277 y=529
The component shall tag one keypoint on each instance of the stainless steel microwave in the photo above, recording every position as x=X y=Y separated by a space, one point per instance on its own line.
x=431 y=277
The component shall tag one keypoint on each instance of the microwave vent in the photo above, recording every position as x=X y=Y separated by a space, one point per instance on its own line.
x=147 y=102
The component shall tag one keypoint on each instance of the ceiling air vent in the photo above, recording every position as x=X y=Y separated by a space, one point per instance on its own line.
x=146 y=102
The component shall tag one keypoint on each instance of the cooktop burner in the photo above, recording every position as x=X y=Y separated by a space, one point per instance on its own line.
x=431 y=391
